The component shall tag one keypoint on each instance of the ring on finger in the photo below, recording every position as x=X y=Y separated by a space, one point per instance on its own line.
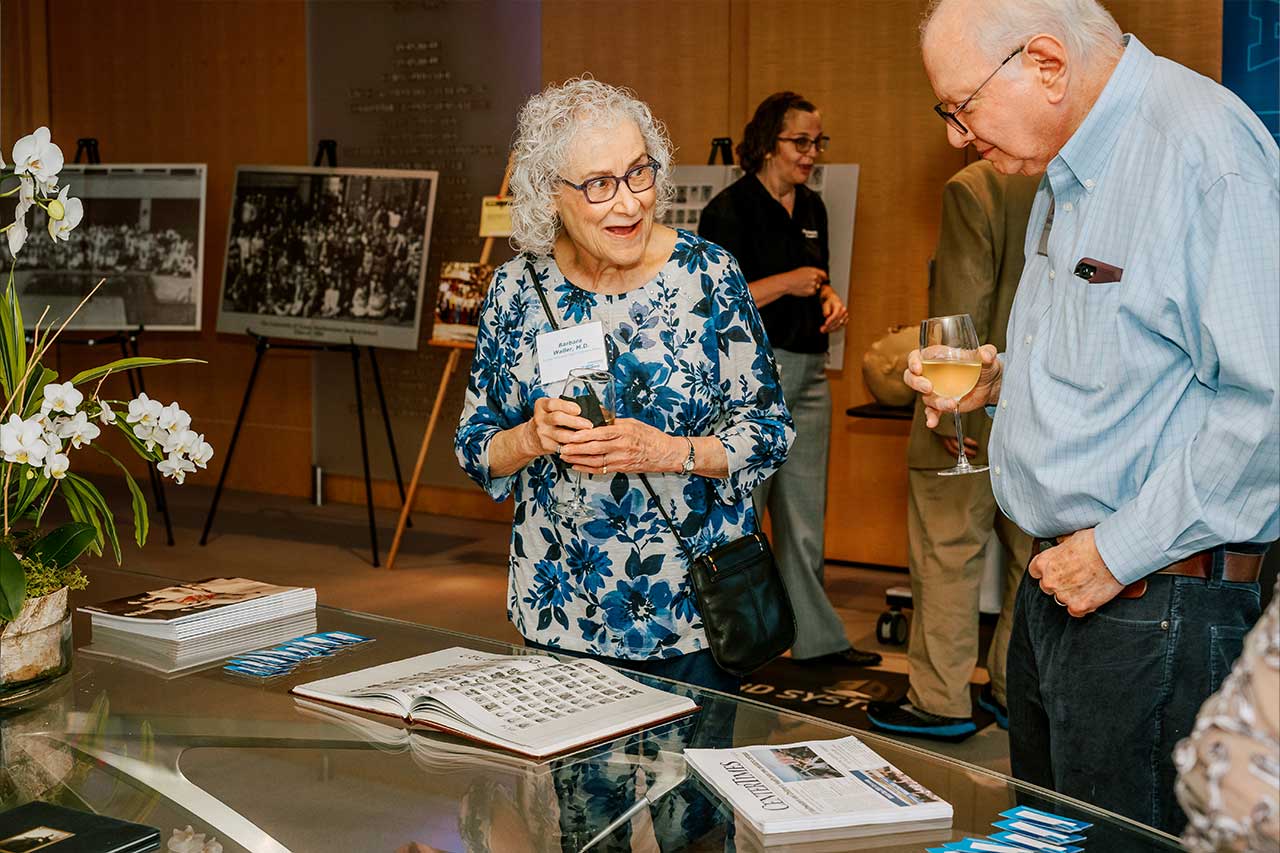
x=604 y=469
x=1058 y=601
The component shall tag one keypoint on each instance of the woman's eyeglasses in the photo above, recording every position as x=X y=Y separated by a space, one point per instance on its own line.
x=603 y=188
x=804 y=143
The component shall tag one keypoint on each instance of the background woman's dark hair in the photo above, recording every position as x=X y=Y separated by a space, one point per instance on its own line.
x=761 y=133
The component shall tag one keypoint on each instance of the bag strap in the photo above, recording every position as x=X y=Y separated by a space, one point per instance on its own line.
x=546 y=306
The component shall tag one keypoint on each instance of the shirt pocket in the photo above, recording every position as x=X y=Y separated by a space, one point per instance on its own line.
x=1083 y=333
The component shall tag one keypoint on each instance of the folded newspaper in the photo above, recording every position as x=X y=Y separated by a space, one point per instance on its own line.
x=818 y=790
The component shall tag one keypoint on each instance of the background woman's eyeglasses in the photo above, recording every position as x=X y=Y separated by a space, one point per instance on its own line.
x=804 y=143
x=603 y=188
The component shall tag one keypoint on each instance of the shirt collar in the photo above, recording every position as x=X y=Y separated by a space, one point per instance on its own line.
x=1086 y=153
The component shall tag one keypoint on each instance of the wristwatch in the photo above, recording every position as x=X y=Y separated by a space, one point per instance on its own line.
x=686 y=467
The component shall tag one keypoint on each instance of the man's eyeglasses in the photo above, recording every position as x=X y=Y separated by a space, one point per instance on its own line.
x=603 y=188
x=804 y=143
x=951 y=117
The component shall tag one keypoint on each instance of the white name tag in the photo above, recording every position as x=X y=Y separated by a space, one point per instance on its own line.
x=572 y=348
x=811 y=233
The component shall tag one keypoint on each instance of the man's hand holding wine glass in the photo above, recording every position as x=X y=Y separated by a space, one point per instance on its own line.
x=985 y=393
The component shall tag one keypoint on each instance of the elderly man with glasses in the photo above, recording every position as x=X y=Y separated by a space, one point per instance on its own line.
x=1137 y=402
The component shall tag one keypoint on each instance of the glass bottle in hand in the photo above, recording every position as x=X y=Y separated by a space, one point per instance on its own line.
x=592 y=390
x=949 y=352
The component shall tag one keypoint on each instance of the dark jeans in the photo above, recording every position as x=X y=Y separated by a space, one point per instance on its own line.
x=1097 y=704
x=697 y=668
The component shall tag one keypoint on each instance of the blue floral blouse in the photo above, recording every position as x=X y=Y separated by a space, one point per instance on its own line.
x=690 y=357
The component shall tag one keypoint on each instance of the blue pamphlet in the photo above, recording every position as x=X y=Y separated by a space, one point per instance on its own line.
x=1049 y=820
x=1037 y=830
x=1035 y=843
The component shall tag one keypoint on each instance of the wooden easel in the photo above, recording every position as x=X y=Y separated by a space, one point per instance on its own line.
x=455 y=352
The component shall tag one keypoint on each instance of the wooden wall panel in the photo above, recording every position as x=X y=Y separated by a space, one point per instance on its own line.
x=222 y=83
x=858 y=61
x=674 y=54
x=24 y=79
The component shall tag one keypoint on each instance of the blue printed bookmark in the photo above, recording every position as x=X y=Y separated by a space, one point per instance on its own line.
x=1036 y=830
x=1035 y=843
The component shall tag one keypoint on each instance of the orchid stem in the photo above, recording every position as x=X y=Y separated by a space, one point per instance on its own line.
x=7 y=469
x=47 y=498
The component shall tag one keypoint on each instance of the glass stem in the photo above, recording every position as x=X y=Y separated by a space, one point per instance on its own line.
x=962 y=461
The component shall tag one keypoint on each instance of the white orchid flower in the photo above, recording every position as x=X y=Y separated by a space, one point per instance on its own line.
x=184 y=441
x=79 y=430
x=177 y=467
x=61 y=397
x=55 y=467
x=144 y=410
x=202 y=454
x=22 y=441
x=17 y=232
x=64 y=215
x=51 y=439
x=105 y=415
x=37 y=156
x=174 y=419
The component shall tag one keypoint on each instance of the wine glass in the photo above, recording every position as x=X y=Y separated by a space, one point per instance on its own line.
x=592 y=390
x=949 y=352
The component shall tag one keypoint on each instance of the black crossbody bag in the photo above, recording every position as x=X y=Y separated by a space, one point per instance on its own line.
x=746 y=612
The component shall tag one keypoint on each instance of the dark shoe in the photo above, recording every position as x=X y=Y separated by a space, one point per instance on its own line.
x=848 y=657
x=902 y=717
x=987 y=702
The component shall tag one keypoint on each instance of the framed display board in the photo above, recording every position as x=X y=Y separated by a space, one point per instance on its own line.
x=142 y=231
x=328 y=255
x=836 y=183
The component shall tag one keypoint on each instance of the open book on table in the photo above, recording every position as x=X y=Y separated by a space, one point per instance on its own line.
x=818 y=790
x=532 y=705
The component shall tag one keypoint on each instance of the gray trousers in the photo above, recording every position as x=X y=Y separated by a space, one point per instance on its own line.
x=796 y=497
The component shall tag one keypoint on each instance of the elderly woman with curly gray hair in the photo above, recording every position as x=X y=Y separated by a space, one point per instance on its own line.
x=698 y=405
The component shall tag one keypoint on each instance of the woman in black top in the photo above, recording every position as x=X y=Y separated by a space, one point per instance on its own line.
x=776 y=227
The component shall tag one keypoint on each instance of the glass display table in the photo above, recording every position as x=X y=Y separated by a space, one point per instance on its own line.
x=242 y=761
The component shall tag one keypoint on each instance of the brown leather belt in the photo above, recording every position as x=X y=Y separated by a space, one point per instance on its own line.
x=1237 y=568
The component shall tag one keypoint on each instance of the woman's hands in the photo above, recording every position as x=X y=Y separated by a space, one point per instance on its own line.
x=554 y=423
x=626 y=445
x=805 y=281
x=834 y=314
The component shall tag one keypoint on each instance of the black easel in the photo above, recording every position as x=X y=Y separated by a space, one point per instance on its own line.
x=327 y=150
x=722 y=146
x=87 y=147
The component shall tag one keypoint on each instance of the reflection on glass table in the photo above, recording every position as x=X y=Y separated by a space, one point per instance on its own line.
x=242 y=761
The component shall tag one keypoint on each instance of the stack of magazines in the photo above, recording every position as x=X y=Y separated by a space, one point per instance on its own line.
x=181 y=627
x=819 y=791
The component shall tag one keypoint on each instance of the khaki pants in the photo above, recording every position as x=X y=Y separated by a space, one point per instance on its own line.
x=949 y=519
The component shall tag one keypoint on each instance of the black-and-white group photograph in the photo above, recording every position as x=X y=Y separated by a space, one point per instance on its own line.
x=142 y=231
x=328 y=254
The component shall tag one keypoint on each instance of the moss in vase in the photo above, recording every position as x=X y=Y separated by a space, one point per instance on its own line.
x=42 y=579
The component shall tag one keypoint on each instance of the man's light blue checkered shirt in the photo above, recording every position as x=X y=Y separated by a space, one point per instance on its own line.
x=1149 y=408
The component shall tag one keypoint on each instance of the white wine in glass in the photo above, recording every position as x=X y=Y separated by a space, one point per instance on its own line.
x=593 y=391
x=949 y=355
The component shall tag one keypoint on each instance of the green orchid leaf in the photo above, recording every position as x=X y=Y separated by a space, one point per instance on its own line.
x=80 y=511
x=13 y=585
x=123 y=364
x=93 y=499
x=64 y=545
x=35 y=391
x=13 y=343
x=141 y=522
x=31 y=491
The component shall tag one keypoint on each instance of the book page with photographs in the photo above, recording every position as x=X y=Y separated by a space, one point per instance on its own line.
x=818 y=785
x=531 y=704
